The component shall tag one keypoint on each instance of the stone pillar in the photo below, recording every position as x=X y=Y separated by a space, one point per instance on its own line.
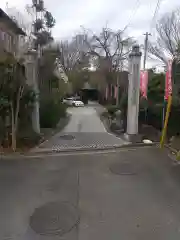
x=133 y=94
x=31 y=74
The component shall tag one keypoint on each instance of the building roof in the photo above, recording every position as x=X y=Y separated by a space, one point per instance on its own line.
x=87 y=86
x=13 y=25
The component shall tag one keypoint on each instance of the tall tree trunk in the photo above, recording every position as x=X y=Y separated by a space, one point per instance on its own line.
x=13 y=132
x=15 y=115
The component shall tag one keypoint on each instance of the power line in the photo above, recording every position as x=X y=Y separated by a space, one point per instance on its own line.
x=147 y=34
x=137 y=5
x=155 y=14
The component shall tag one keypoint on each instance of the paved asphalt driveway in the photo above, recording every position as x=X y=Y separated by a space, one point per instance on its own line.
x=128 y=195
x=85 y=130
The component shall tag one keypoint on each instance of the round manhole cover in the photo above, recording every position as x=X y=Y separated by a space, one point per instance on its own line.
x=54 y=219
x=124 y=168
x=67 y=137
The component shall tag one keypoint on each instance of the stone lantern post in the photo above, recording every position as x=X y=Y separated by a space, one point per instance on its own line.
x=133 y=94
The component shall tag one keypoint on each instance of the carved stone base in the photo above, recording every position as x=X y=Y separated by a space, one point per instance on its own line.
x=134 y=138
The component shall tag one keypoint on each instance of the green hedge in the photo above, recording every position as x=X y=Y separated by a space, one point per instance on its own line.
x=155 y=118
x=111 y=109
x=50 y=113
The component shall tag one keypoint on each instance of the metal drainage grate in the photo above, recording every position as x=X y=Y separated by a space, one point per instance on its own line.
x=67 y=137
x=124 y=168
x=56 y=218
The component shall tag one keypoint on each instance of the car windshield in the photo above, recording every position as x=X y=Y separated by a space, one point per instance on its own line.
x=69 y=98
x=76 y=98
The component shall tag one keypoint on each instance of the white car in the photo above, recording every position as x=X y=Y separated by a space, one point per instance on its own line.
x=73 y=102
x=68 y=101
x=78 y=103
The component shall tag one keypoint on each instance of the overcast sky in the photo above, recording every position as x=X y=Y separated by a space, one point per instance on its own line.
x=94 y=14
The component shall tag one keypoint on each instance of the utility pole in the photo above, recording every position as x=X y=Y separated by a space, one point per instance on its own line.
x=145 y=48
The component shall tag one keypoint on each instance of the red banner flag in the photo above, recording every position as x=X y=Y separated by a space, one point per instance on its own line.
x=115 y=92
x=107 y=92
x=168 y=81
x=111 y=90
x=144 y=83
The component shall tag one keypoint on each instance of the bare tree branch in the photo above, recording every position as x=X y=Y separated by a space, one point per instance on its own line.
x=167 y=43
x=109 y=48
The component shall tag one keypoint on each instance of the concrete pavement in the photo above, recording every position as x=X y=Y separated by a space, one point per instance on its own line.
x=129 y=195
x=84 y=120
x=85 y=130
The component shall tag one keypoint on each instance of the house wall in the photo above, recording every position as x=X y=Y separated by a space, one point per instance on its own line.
x=8 y=40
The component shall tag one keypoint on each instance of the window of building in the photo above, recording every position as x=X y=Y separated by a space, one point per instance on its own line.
x=8 y=41
x=2 y=35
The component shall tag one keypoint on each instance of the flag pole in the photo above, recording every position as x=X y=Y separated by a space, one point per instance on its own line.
x=167 y=102
x=164 y=112
x=164 y=131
